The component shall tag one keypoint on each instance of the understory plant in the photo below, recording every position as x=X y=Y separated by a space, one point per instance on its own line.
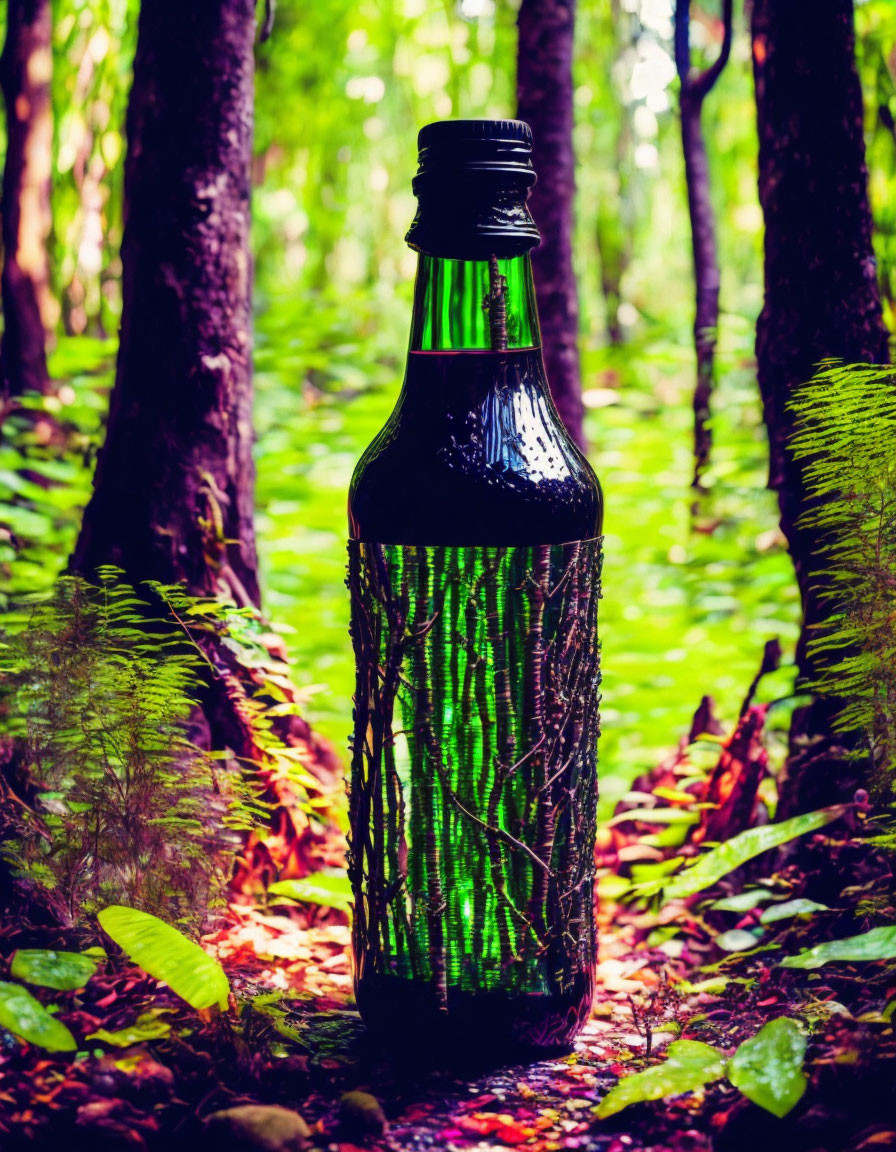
x=116 y=802
x=845 y=432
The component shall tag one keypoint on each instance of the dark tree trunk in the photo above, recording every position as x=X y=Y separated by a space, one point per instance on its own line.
x=25 y=70
x=544 y=101
x=694 y=89
x=821 y=291
x=173 y=492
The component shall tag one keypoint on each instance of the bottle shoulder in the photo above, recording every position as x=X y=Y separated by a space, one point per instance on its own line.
x=474 y=453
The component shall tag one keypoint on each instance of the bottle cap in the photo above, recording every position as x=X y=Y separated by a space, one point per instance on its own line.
x=493 y=146
x=472 y=183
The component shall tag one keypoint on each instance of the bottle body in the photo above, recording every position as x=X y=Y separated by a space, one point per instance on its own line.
x=474 y=573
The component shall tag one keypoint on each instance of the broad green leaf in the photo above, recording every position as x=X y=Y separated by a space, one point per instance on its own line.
x=330 y=890
x=878 y=944
x=791 y=908
x=147 y=1026
x=26 y=1017
x=768 y=1068
x=736 y=940
x=61 y=970
x=167 y=955
x=745 y=846
x=742 y=901
x=689 y=1065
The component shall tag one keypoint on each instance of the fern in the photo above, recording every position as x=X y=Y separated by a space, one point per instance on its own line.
x=99 y=695
x=845 y=433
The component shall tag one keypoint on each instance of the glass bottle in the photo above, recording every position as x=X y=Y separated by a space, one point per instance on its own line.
x=474 y=570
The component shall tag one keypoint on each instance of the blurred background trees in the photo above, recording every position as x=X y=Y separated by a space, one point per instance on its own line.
x=340 y=90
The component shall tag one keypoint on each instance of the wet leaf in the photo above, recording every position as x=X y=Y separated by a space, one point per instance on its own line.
x=878 y=944
x=791 y=908
x=768 y=1068
x=26 y=1017
x=742 y=901
x=167 y=955
x=689 y=1065
x=147 y=1026
x=737 y=940
x=64 y=971
x=328 y=889
x=745 y=846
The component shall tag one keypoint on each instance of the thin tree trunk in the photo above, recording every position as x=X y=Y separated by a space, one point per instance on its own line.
x=695 y=87
x=821 y=292
x=25 y=71
x=173 y=492
x=545 y=102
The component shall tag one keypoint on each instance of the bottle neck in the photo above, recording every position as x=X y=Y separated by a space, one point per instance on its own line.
x=474 y=305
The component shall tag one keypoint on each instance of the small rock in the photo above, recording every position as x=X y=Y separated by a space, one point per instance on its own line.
x=361 y=1116
x=263 y=1127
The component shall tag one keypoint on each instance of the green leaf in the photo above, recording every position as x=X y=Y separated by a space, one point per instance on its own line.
x=167 y=955
x=26 y=1017
x=328 y=889
x=743 y=847
x=61 y=970
x=147 y=1026
x=736 y=940
x=656 y=816
x=768 y=1068
x=742 y=901
x=878 y=944
x=689 y=1065
x=791 y=908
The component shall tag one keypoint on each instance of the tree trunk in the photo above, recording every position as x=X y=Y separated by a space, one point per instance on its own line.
x=25 y=70
x=544 y=101
x=695 y=87
x=173 y=492
x=821 y=291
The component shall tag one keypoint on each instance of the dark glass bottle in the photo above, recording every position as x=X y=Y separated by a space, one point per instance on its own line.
x=474 y=572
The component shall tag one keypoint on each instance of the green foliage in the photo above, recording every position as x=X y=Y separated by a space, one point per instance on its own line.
x=21 y=1014
x=876 y=944
x=147 y=1026
x=48 y=969
x=688 y=1066
x=326 y=889
x=791 y=908
x=98 y=693
x=845 y=423
x=768 y=1068
x=719 y=861
x=168 y=955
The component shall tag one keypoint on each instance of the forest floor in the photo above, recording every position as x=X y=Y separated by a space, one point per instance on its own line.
x=296 y=1043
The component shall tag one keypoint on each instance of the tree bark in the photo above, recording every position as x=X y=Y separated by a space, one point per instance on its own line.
x=695 y=87
x=25 y=71
x=173 y=491
x=545 y=102
x=821 y=293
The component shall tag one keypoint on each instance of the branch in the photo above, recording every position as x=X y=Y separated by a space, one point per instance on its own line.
x=700 y=85
x=267 y=26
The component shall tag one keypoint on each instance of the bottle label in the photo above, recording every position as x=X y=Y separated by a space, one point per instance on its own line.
x=474 y=773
